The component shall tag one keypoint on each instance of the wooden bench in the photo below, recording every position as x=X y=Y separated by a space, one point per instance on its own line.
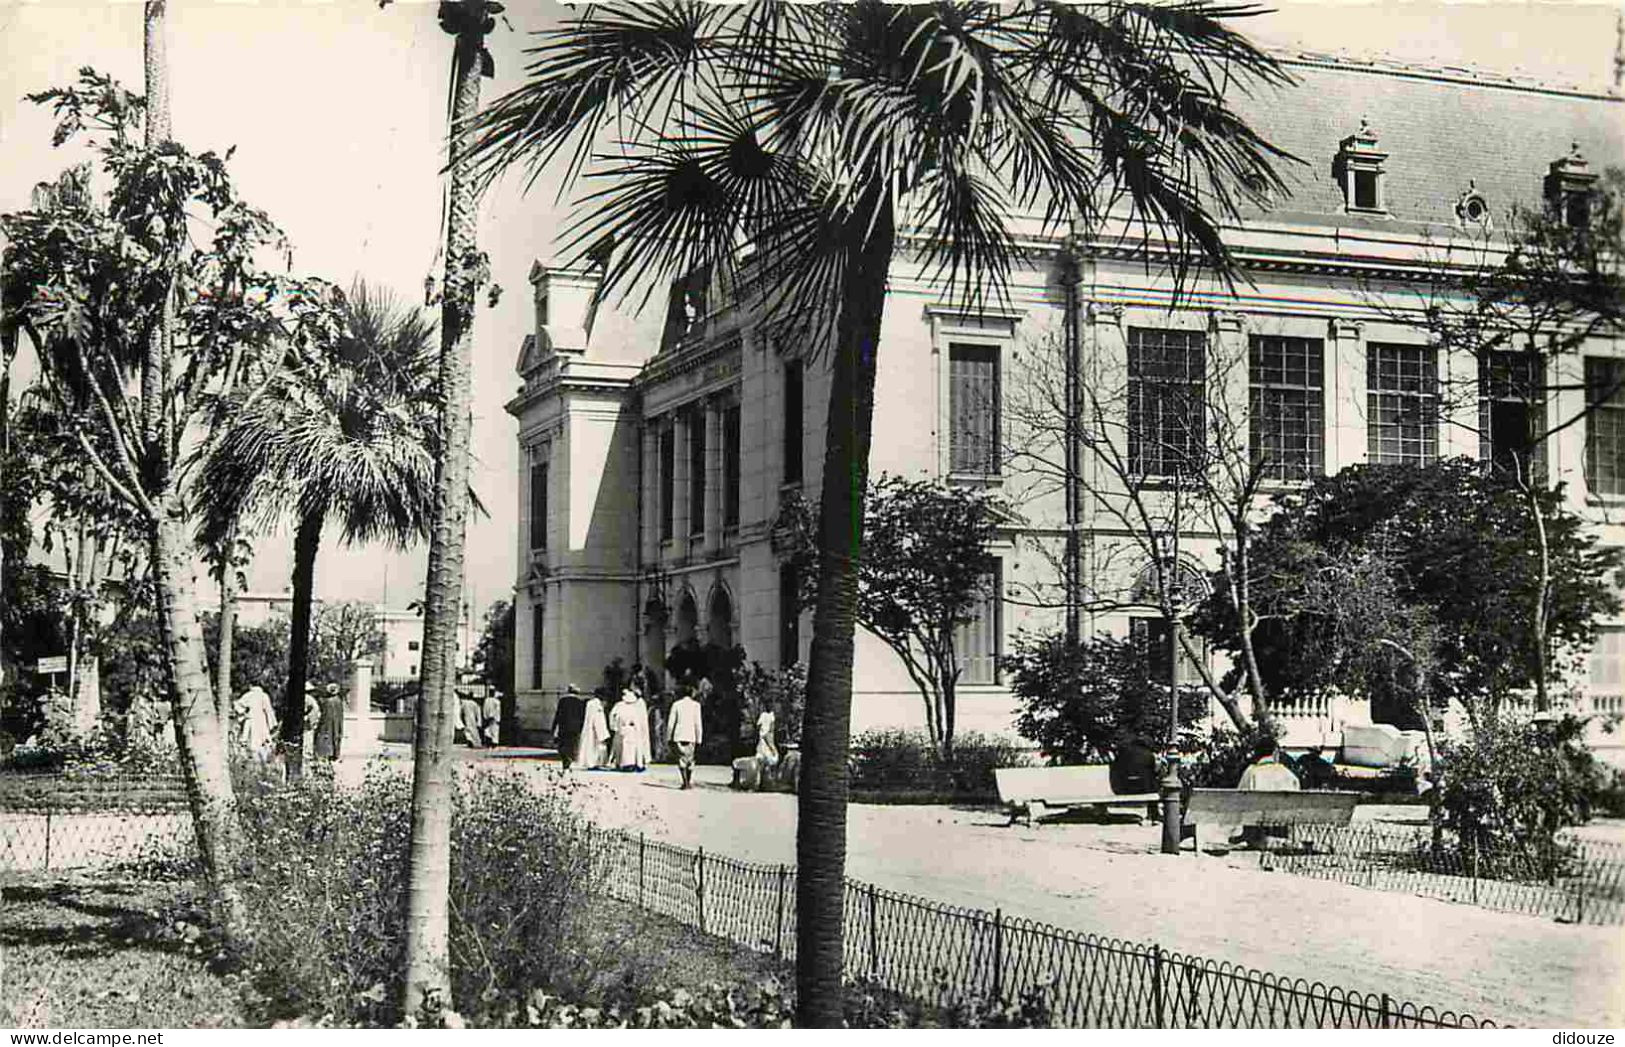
x=1036 y=791
x=1259 y=807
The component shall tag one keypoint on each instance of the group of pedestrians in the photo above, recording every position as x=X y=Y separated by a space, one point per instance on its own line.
x=256 y=726
x=479 y=723
x=624 y=736
x=589 y=736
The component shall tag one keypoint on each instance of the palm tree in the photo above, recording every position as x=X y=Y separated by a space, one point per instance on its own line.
x=427 y=984
x=829 y=135
x=349 y=438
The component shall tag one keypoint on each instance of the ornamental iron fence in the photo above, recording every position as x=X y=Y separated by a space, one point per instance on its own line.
x=945 y=955
x=1576 y=881
x=939 y=954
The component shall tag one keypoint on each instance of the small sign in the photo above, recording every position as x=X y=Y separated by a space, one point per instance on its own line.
x=59 y=664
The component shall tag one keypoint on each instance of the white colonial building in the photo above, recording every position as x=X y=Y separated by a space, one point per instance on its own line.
x=657 y=448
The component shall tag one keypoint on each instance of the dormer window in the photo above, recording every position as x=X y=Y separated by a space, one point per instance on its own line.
x=1568 y=188
x=1358 y=168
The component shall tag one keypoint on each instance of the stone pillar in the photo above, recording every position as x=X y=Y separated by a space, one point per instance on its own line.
x=682 y=428
x=1347 y=441
x=360 y=687
x=650 y=481
x=87 y=708
x=714 y=481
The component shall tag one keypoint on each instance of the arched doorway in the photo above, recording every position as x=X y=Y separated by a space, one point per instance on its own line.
x=688 y=618
x=720 y=621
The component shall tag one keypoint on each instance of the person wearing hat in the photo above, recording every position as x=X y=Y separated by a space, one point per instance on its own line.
x=568 y=718
x=471 y=716
x=630 y=722
x=330 y=733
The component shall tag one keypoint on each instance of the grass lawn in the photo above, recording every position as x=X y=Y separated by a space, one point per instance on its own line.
x=97 y=952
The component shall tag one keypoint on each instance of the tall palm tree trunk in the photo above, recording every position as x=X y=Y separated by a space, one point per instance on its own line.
x=8 y=353
x=821 y=808
x=227 y=637
x=306 y=541
x=197 y=728
x=428 y=986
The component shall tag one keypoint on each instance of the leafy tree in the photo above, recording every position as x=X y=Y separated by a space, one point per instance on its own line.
x=1455 y=542
x=494 y=655
x=260 y=653
x=132 y=653
x=134 y=324
x=815 y=131
x=1529 y=299
x=349 y=437
x=925 y=567
x=86 y=529
x=1079 y=701
x=342 y=634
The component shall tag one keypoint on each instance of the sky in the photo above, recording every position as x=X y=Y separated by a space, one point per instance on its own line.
x=337 y=112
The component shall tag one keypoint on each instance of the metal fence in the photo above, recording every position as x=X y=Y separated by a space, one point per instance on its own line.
x=941 y=954
x=58 y=822
x=914 y=947
x=1574 y=881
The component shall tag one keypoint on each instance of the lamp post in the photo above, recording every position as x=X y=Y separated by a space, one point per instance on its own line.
x=1170 y=788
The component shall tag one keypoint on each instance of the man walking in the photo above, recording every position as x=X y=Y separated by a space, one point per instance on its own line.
x=684 y=731
x=568 y=718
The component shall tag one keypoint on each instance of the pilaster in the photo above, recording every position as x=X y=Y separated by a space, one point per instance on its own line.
x=1347 y=442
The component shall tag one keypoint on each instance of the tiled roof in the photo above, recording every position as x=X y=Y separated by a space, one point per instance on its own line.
x=1440 y=126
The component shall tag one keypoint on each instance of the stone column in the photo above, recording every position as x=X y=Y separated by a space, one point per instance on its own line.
x=682 y=426
x=651 y=491
x=714 y=481
x=360 y=687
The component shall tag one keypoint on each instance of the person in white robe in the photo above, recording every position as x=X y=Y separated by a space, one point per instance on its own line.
x=592 y=752
x=256 y=721
x=631 y=725
x=767 y=747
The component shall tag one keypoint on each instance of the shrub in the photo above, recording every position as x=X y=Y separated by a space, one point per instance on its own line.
x=1510 y=788
x=976 y=756
x=326 y=916
x=1077 y=699
x=893 y=760
x=903 y=761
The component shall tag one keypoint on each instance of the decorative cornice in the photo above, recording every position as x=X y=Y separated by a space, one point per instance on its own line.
x=1342 y=327
x=687 y=361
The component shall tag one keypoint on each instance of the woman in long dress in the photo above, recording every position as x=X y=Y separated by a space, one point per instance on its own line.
x=631 y=721
x=592 y=752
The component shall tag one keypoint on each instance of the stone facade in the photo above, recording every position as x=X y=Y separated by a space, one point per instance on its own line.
x=628 y=553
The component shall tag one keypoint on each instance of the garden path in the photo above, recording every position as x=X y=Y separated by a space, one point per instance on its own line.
x=1107 y=880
